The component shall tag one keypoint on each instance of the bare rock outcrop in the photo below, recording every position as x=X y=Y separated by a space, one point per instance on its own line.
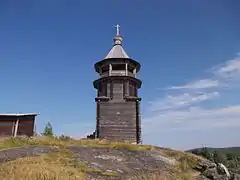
x=212 y=171
x=19 y=152
x=124 y=163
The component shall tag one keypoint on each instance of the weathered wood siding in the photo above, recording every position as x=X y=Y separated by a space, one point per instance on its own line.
x=6 y=127
x=117 y=116
x=25 y=125
x=132 y=89
x=118 y=73
x=138 y=123
x=117 y=120
x=117 y=89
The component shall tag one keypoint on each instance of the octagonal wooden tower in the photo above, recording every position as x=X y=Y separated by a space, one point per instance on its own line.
x=117 y=100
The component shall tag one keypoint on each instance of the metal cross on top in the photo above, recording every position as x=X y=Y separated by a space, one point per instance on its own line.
x=118 y=29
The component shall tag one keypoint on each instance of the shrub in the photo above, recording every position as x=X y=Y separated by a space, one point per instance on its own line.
x=48 y=130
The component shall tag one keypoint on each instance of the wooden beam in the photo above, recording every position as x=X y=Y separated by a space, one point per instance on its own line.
x=135 y=72
x=35 y=129
x=110 y=69
x=13 y=127
x=126 y=68
x=16 y=128
x=97 y=119
x=138 y=124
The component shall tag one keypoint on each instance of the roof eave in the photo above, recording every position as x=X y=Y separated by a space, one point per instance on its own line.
x=18 y=115
x=99 y=63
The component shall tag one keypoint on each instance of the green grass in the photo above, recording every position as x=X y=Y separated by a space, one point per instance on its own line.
x=53 y=141
x=228 y=150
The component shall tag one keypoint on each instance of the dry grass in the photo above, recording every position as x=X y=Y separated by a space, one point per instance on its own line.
x=164 y=175
x=48 y=141
x=184 y=169
x=186 y=160
x=58 y=165
x=61 y=164
x=154 y=176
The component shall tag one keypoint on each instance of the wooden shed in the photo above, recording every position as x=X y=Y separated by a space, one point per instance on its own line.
x=17 y=124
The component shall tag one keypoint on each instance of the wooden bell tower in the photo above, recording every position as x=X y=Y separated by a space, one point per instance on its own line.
x=118 y=116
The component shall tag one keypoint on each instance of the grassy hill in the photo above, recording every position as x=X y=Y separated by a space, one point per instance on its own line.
x=44 y=158
x=62 y=158
x=227 y=150
x=229 y=156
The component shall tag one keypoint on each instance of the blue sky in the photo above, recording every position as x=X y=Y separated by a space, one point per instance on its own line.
x=189 y=51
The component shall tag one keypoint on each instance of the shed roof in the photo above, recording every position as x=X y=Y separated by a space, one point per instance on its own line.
x=27 y=114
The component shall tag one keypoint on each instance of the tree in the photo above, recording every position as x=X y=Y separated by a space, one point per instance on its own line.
x=205 y=152
x=232 y=164
x=219 y=157
x=230 y=156
x=48 y=130
x=197 y=151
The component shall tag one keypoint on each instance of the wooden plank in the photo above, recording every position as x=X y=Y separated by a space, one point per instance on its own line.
x=117 y=118
x=10 y=127
x=6 y=126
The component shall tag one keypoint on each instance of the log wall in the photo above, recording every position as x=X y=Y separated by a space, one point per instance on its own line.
x=117 y=120
x=117 y=103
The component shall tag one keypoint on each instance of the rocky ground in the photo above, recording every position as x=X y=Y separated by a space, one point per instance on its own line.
x=123 y=163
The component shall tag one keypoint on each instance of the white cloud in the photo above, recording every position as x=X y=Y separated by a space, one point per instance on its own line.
x=229 y=70
x=193 y=119
x=222 y=75
x=182 y=108
x=200 y=84
x=179 y=101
